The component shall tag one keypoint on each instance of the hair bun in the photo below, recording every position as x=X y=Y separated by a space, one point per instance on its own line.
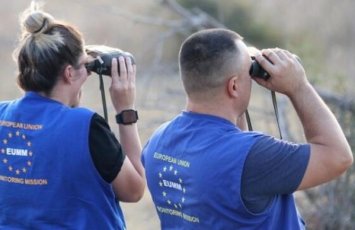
x=36 y=21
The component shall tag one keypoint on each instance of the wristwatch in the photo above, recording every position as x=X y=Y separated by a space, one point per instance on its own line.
x=127 y=117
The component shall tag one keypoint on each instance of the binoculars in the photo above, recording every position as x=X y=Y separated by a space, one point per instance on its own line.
x=103 y=56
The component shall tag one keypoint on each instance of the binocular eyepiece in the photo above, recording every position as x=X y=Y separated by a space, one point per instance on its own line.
x=103 y=56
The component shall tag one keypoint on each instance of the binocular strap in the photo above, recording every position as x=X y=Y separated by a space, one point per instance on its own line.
x=103 y=97
x=274 y=102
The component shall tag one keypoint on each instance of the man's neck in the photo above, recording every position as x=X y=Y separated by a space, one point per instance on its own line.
x=219 y=109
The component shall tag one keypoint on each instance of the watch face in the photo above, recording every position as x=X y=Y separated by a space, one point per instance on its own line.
x=128 y=117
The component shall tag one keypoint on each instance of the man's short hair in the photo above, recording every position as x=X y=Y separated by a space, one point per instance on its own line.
x=206 y=57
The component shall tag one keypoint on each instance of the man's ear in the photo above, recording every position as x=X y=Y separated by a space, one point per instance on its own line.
x=233 y=86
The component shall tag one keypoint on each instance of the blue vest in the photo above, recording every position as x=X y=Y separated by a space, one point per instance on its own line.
x=194 y=166
x=47 y=177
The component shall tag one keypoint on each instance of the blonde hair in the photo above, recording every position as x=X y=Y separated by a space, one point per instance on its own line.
x=46 y=46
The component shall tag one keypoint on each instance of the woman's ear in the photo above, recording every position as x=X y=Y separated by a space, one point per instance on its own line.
x=68 y=74
x=233 y=86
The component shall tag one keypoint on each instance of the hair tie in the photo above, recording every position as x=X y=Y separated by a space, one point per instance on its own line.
x=42 y=26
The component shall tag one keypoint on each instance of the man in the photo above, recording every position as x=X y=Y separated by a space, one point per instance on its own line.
x=205 y=172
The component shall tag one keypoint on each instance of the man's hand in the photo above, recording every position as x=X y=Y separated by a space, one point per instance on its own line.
x=287 y=73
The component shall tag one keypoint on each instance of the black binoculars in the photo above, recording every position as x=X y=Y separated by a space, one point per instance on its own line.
x=257 y=71
x=103 y=56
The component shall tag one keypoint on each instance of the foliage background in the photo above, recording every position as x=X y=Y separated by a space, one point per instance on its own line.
x=321 y=32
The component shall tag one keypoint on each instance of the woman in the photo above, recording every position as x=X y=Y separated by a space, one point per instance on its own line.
x=60 y=165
